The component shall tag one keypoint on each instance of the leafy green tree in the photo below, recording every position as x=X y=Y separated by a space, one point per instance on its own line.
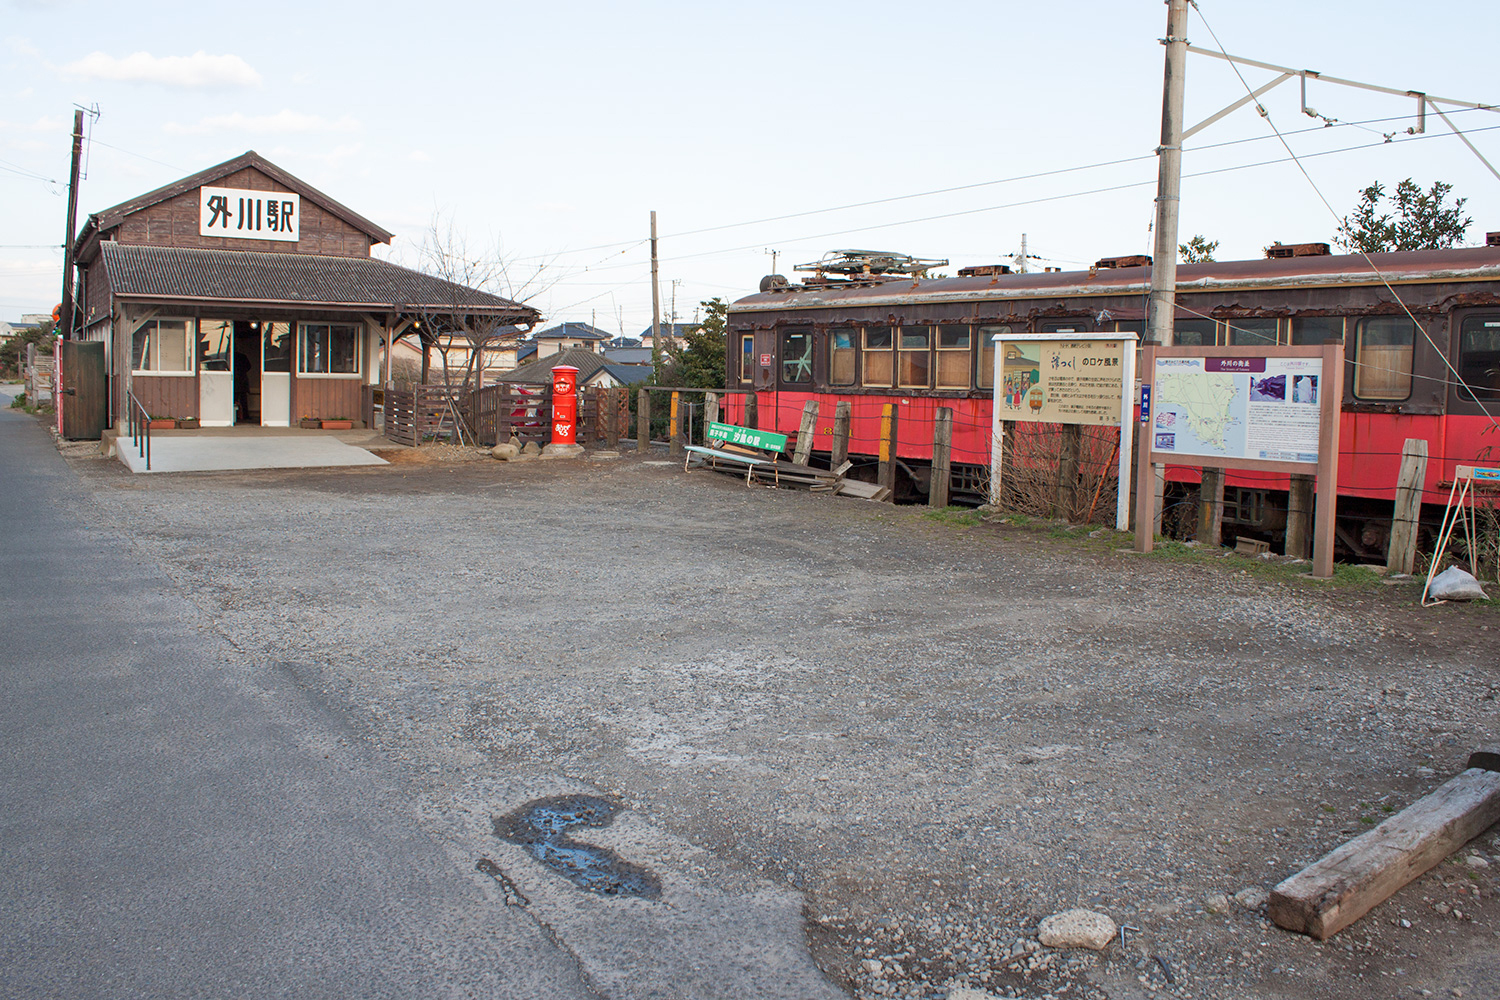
x=1198 y=250
x=14 y=349
x=1421 y=220
x=699 y=363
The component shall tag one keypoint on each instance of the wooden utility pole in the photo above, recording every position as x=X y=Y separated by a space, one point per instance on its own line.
x=69 y=310
x=655 y=300
x=1169 y=178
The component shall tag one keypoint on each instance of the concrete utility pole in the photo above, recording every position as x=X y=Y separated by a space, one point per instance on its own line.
x=69 y=313
x=655 y=298
x=1169 y=178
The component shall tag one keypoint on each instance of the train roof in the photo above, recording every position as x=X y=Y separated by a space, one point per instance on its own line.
x=1421 y=266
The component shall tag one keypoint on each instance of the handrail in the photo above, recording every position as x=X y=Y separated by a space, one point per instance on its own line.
x=139 y=427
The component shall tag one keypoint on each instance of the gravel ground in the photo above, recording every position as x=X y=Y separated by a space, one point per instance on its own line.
x=935 y=731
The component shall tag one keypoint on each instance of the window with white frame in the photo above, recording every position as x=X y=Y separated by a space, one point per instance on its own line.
x=163 y=347
x=329 y=349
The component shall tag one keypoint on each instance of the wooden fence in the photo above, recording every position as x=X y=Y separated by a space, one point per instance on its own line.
x=497 y=413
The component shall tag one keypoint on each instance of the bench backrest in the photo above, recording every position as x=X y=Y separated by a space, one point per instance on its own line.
x=746 y=437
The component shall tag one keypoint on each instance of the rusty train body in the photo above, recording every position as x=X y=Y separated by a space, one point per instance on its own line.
x=923 y=343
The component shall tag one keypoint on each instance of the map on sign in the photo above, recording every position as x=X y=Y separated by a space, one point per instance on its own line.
x=1241 y=408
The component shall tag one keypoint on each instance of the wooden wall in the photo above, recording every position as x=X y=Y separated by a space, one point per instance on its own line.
x=175 y=223
x=168 y=395
x=326 y=398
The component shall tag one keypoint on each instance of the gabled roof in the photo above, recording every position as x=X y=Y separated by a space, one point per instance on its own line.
x=112 y=217
x=628 y=355
x=586 y=361
x=629 y=374
x=153 y=273
x=671 y=329
x=572 y=331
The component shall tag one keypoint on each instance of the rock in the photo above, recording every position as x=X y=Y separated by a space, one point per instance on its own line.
x=505 y=452
x=873 y=967
x=1252 y=897
x=1475 y=861
x=563 y=451
x=969 y=993
x=532 y=448
x=602 y=455
x=1077 y=929
x=1453 y=584
x=1216 y=902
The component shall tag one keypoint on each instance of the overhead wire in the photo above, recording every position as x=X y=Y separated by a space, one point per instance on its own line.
x=1326 y=204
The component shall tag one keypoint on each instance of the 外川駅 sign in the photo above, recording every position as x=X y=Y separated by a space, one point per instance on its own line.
x=249 y=215
x=746 y=436
x=1062 y=381
x=1260 y=408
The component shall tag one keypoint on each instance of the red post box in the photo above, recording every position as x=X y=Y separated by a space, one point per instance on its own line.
x=564 y=404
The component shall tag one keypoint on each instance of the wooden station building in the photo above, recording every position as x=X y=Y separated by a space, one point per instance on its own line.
x=243 y=295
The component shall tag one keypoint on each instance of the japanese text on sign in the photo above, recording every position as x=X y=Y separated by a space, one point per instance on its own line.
x=249 y=215
x=1061 y=381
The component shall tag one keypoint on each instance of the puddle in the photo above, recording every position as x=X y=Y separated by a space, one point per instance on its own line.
x=542 y=828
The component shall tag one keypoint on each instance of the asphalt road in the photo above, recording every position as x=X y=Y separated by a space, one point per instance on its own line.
x=177 y=820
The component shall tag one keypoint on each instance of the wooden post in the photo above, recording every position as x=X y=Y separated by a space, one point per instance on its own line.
x=1299 y=515
x=1332 y=389
x=609 y=415
x=1145 y=474
x=1211 y=508
x=1402 y=554
x=806 y=431
x=888 y=435
x=1067 y=470
x=942 y=458
x=642 y=422
x=674 y=427
x=710 y=411
x=840 y=451
x=751 y=416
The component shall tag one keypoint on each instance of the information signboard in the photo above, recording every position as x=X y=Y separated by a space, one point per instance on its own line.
x=1259 y=408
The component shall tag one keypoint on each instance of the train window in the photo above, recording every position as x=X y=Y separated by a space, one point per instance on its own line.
x=1314 y=330
x=953 y=357
x=1382 y=357
x=1135 y=326
x=1066 y=326
x=985 y=377
x=916 y=357
x=1193 y=333
x=1479 y=356
x=841 y=357
x=747 y=357
x=1252 y=332
x=879 y=356
x=796 y=356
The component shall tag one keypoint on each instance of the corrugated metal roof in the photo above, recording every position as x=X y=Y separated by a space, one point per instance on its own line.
x=572 y=331
x=153 y=272
x=586 y=361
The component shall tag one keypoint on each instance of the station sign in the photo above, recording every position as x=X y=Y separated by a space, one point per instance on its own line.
x=746 y=436
x=236 y=213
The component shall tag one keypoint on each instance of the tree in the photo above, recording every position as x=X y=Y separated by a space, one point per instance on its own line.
x=1422 y=221
x=699 y=362
x=1198 y=250
x=14 y=349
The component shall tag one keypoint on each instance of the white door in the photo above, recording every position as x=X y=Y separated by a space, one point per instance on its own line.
x=275 y=399
x=216 y=399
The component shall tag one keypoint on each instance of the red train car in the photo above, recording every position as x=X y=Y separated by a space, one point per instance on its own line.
x=1421 y=333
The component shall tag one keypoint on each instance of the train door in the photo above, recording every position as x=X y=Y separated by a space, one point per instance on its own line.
x=765 y=362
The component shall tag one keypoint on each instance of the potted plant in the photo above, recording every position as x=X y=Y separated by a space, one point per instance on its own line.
x=161 y=423
x=187 y=423
x=341 y=424
x=310 y=423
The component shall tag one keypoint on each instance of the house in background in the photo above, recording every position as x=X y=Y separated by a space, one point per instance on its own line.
x=567 y=336
x=242 y=294
x=671 y=334
x=593 y=370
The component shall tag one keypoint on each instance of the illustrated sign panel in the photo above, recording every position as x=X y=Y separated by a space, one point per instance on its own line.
x=1238 y=408
x=1061 y=381
x=249 y=215
x=746 y=436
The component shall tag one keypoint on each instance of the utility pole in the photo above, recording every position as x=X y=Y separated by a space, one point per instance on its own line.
x=1163 y=302
x=774 y=254
x=1020 y=260
x=69 y=310
x=655 y=299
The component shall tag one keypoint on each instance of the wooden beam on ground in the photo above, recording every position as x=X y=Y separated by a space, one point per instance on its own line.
x=840 y=449
x=942 y=457
x=1328 y=896
x=806 y=431
x=1401 y=556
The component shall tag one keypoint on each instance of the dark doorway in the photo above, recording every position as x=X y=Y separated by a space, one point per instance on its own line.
x=247 y=365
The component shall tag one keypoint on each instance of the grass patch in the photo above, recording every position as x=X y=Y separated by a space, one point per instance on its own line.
x=963 y=517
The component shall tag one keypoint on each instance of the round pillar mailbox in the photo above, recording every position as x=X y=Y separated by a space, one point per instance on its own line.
x=564 y=404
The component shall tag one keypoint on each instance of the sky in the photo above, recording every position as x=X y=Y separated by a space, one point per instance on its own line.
x=542 y=136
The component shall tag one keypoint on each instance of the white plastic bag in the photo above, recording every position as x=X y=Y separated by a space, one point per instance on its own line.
x=1453 y=584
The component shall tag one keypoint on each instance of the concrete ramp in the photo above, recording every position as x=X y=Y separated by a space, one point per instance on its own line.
x=227 y=454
